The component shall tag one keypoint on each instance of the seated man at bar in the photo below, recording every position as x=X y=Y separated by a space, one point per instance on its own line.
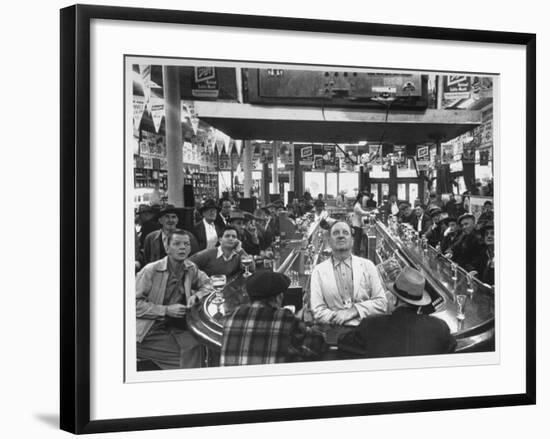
x=434 y=234
x=467 y=248
x=450 y=233
x=486 y=267
x=165 y=290
x=406 y=213
x=247 y=233
x=420 y=221
x=404 y=332
x=155 y=245
x=262 y=331
x=224 y=259
x=345 y=288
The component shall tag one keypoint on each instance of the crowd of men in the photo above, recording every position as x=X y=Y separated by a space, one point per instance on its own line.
x=448 y=227
x=174 y=266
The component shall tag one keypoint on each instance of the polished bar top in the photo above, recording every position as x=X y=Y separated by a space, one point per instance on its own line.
x=479 y=307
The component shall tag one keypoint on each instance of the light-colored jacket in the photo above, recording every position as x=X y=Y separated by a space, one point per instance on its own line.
x=151 y=288
x=368 y=293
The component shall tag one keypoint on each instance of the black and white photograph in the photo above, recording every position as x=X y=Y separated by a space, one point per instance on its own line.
x=362 y=248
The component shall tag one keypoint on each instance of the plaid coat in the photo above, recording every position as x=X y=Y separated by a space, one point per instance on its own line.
x=260 y=334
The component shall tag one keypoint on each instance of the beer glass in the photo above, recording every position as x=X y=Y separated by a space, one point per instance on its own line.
x=246 y=260
x=461 y=301
x=218 y=282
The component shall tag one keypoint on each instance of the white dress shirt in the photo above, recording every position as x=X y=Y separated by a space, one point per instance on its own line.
x=211 y=234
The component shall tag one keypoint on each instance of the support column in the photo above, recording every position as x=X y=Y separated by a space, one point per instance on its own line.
x=275 y=167
x=247 y=167
x=298 y=177
x=439 y=90
x=291 y=174
x=174 y=141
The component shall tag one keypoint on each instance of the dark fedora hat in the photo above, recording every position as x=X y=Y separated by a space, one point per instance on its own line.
x=409 y=287
x=264 y=284
x=169 y=208
x=208 y=204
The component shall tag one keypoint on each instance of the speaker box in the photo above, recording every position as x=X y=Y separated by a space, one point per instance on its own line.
x=188 y=196
x=186 y=218
x=247 y=204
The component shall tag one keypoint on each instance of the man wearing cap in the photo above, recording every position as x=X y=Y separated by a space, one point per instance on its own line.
x=467 y=248
x=262 y=332
x=206 y=231
x=165 y=290
x=487 y=215
x=450 y=233
x=224 y=259
x=248 y=235
x=345 y=288
x=154 y=247
x=404 y=332
x=434 y=234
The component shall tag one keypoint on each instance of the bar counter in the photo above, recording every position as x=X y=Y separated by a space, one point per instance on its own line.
x=390 y=249
x=474 y=330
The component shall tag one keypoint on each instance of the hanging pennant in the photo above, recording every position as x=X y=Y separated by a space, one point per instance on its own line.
x=157 y=111
x=145 y=71
x=189 y=115
x=238 y=146
x=139 y=108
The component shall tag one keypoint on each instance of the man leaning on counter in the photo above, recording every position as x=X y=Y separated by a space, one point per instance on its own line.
x=345 y=288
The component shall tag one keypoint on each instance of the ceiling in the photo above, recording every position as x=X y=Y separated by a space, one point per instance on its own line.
x=301 y=124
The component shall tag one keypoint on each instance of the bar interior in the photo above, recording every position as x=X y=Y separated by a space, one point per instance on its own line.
x=293 y=214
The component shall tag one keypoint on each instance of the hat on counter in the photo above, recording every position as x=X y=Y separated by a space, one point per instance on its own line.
x=409 y=287
x=207 y=205
x=264 y=284
x=169 y=208
x=464 y=216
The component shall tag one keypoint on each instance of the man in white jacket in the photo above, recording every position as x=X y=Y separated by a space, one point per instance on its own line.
x=345 y=288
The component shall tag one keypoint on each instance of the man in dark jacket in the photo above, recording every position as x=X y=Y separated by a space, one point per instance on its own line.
x=420 y=221
x=404 y=332
x=486 y=266
x=156 y=243
x=467 y=248
x=206 y=231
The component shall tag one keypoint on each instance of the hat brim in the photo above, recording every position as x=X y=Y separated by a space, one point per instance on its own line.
x=203 y=208
x=166 y=212
x=424 y=300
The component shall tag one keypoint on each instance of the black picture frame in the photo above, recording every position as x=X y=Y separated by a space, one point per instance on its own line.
x=75 y=216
